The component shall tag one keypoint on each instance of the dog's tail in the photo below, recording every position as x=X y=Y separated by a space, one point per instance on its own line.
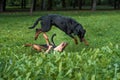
x=53 y=40
x=36 y=22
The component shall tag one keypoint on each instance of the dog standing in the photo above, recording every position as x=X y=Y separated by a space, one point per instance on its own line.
x=67 y=25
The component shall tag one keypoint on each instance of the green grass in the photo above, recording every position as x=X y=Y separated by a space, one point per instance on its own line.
x=98 y=61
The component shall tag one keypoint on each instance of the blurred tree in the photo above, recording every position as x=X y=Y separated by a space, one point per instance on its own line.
x=94 y=2
x=43 y=2
x=63 y=3
x=74 y=3
x=99 y=2
x=49 y=7
x=33 y=3
x=80 y=4
x=2 y=5
x=116 y=4
x=58 y=4
x=23 y=3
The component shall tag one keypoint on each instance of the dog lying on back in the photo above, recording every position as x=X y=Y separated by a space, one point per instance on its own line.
x=47 y=48
x=67 y=25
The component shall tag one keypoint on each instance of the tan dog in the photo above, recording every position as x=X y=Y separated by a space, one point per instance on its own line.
x=48 y=47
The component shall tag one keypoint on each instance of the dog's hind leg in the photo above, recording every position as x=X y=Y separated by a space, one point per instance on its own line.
x=38 y=31
x=46 y=39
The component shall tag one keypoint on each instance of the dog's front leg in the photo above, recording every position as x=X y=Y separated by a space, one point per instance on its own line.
x=84 y=40
x=75 y=39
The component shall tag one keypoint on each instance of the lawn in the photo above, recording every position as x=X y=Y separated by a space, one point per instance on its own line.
x=98 y=61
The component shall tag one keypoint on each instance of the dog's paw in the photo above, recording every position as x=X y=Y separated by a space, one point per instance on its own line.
x=86 y=44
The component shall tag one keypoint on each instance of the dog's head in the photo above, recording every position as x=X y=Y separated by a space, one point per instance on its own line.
x=80 y=32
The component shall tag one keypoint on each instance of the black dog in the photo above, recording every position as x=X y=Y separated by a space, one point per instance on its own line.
x=68 y=25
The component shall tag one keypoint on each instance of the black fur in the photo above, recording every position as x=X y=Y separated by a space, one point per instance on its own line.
x=67 y=25
x=52 y=40
x=51 y=43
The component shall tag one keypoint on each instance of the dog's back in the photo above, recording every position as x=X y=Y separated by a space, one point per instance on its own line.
x=65 y=24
